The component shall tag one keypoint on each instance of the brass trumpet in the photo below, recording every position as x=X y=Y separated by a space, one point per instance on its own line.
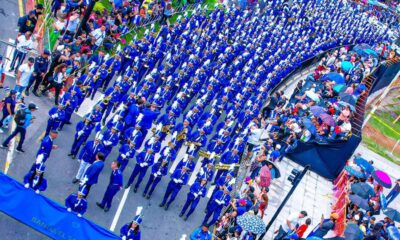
x=181 y=135
x=106 y=100
x=225 y=166
x=95 y=78
x=204 y=154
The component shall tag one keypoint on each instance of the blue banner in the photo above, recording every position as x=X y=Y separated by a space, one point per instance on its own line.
x=45 y=215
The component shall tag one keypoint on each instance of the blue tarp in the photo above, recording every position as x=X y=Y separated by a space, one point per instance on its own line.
x=45 y=215
x=326 y=160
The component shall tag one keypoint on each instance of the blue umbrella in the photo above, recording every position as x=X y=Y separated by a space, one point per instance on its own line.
x=371 y=52
x=363 y=190
x=359 y=201
x=348 y=99
x=251 y=223
x=317 y=110
x=333 y=76
x=309 y=126
x=354 y=172
x=353 y=232
x=346 y=66
x=392 y=214
x=364 y=164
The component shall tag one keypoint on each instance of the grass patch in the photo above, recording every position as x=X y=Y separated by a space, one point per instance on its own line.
x=373 y=146
x=384 y=123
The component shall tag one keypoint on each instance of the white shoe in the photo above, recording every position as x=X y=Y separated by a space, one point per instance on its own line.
x=1 y=130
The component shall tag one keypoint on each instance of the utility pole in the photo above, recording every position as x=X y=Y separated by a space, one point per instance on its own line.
x=85 y=18
x=295 y=179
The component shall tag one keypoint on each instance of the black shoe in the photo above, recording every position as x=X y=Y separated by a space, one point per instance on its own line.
x=73 y=156
x=36 y=94
x=20 y=150
x=106 y=209
x=135 y=190
x=3 y=146
x=127 y=186
x=68 y=123
x=75 y=180
x=148 y=196
x=212 y=184
x=180 y=214
x=166 y=207
x=185 y=218
x=99 y=205
x=70 y=154
x=161 y=205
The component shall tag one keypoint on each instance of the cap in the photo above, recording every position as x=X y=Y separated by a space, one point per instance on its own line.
x=47 y=52
x=32 y=106
x=40 y=167
x=13 y=92
x=137 y=220
x=31 y=59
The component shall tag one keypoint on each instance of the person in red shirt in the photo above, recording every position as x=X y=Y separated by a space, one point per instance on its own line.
x=303 y=228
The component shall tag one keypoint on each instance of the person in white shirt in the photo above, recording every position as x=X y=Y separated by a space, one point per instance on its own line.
x=99 y=34
x=24 y=44
x=24 y=74
x=290 y=225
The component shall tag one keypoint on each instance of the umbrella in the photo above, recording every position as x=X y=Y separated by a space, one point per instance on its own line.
x=314 y=238
x=363 y=190
x=309 y=125
x=352 y=108
x=371 y=52
x=348 y=99
x=382 y=178
x=265 y=176
x=333 y=76
x=359 y=201
x=312 y=95
x=317 y=110
x=338 y=87
x=277 y=172
x=353 y=232
x=364 y=164
x=328 y=119
x=354 y=172
x=251 y=223
x=346 y=66
x=392 y=214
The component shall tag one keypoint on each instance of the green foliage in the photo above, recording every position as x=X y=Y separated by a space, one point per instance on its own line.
x=373 y=146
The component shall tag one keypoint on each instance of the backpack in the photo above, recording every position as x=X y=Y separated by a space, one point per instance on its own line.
x=20 y=117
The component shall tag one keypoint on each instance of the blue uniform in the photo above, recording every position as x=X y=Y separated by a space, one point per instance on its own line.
x=129 y=233
x=126 y=152
x=36 y=182
x=190 y=164
x=157 y=172
x=134 y=135
x=92 y=174
x=197 y=191
x=45 y=148
x=167 y=154
x=143 y=161
x=227 y=158
x=115 y=184
x=82 y=133
x=155 y=145
x=178 y=179
x=90 y=150
x=56 y=117
x=78 y=205
x=205 y=173
x=110 y=140
x=199 y=141
x=217 y=203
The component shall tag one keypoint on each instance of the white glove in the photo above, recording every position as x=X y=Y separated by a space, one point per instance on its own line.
x=37 y=191
x=26 y=185
x=220 y=163
x=69 y=209
x=79 y=215
x=195 y=195
x=180 y=181
x=221 y=202
x=217 y=201
x=141 y=164
x=83 y=182
x=123 y=156
x=54 y=115
x=159 y=173
x=123 y=238
x=175 y=180
x=145 y=164
x=155 y=174
x=107 y=143
x=39 y=158
x=80 y=132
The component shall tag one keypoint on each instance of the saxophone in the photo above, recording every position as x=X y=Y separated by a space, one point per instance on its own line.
x=167 y=129
x=111 y=67
x=182 y=135
x=106 y=100
x=95 y=78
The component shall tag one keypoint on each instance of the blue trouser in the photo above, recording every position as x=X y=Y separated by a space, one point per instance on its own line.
x=172 y=190
x=78 y=142
x=153 y=181
x=51 y=125
x=18 y=55
x=107 y=150
x=123 y=163
x=215 y=212
x=214 y=191
x=391 y=196
x=108 y=196
x=138 y=170
x=219 y=173
x=193 y=204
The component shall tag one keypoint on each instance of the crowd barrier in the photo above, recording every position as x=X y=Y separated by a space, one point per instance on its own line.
x=45 y=215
